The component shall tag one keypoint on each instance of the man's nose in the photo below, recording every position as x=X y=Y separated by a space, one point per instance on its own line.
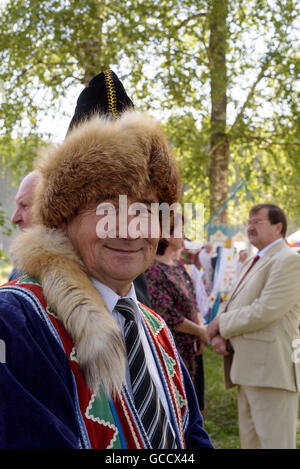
x=16 y=218
x=126 y=229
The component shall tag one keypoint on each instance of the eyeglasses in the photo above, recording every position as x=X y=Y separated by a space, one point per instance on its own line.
x=255 y=222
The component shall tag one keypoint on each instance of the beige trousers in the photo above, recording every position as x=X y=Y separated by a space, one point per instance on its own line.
x=267 y=418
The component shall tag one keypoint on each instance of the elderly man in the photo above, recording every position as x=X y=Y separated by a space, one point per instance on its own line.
x=87 y=365
x=24 y=198
x=22 y=216
x=256 y=330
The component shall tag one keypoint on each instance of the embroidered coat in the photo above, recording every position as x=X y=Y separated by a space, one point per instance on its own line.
x=44 y=399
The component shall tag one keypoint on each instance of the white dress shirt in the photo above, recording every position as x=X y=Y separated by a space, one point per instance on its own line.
x=265 y=249
x=111 y=298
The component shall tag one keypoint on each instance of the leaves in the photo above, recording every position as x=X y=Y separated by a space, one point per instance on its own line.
x=161 y=51
x=4 y=230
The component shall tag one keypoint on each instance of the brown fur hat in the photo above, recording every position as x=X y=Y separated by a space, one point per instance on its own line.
x=104 y=157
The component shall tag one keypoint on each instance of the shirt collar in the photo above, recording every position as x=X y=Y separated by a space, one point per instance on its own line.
x=265 y=249
x=111 y=298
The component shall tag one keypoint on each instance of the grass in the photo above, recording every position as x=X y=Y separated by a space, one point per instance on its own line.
x=220 y=415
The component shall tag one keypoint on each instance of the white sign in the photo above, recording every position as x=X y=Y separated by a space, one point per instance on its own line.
x=226 y=267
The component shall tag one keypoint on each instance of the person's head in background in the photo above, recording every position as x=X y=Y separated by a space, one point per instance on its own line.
x=243 y=254
x=266 y=224
x=208 y=247
x=24 y=198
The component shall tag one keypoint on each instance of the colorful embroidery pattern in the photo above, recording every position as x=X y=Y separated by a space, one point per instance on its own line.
x=107 y=423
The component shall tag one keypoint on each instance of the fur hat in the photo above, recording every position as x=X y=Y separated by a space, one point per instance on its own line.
x=104 y=156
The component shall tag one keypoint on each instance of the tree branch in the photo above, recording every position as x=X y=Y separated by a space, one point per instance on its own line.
x=265 y=65
x=191 y=18
x=251 y=93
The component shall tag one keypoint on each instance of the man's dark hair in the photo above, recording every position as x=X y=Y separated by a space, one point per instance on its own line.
x=275 y=215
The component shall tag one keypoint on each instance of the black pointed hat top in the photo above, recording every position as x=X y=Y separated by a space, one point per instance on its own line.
x=105 y=95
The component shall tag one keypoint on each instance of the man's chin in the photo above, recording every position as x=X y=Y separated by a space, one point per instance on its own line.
x=252 y=238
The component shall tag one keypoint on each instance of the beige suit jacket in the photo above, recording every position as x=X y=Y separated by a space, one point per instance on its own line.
x=262 y=321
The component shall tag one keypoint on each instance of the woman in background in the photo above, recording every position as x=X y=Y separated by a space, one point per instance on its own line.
x=172 y=295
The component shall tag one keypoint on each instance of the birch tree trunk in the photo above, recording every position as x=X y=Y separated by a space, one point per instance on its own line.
x=219 y=143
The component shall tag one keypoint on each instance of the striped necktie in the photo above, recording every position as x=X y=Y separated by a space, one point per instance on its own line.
x=145 y=396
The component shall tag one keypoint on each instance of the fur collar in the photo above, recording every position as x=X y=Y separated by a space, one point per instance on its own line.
x=47 y=255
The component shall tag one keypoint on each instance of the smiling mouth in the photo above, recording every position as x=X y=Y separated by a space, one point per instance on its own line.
x=123 y=251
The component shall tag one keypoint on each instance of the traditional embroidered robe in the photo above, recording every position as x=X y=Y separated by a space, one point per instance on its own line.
x=44 y=399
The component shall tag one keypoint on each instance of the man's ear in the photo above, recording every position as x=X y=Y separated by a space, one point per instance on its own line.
x=279 y=227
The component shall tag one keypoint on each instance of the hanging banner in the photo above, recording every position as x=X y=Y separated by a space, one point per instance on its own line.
x=226 y=270
x=224 y=278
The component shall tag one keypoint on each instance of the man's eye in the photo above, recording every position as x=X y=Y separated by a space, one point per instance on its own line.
x=104 y=208
x=139 y=209
x=144 y=211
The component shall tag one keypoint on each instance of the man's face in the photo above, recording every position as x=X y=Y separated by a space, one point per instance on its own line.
x=115 y=261
x=24 y=199
x=260 y=231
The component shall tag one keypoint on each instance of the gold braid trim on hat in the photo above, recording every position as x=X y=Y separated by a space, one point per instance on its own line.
x=111 y=94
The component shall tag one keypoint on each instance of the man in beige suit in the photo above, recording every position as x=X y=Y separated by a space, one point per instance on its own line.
x=256 y=331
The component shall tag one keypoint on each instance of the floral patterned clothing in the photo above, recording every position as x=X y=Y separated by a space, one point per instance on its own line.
x=172 y=296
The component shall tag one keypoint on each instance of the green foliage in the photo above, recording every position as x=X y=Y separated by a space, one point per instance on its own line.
x=47 y=47
x=161 y=50
x=4 y=230
x=5 y=269
x=191 y=149
x=220 y=415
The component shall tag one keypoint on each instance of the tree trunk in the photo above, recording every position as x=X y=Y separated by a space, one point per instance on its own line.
x=89 y=55
x=219 y=144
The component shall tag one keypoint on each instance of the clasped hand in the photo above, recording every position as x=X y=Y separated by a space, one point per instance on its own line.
x=202 y=339
x=218 y=343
